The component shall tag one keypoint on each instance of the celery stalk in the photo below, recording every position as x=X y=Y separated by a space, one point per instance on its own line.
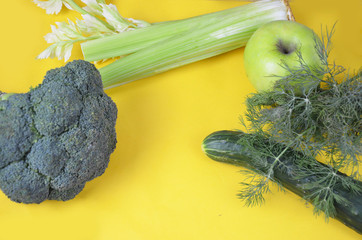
x=191 y=40
x=129 y=42
x=132 y=41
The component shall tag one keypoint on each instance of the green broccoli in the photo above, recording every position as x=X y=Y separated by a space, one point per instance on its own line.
x=57 y=136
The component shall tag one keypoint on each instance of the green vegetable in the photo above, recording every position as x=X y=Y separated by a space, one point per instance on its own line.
x=56 y=137
x=149 y=50
x=310 y=179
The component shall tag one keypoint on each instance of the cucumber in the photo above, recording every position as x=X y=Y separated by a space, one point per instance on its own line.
x=227 y=147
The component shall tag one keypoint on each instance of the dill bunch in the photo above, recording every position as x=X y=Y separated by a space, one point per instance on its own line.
x=321 y=121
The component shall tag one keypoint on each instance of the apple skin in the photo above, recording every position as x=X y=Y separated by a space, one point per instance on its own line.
x=274 y=43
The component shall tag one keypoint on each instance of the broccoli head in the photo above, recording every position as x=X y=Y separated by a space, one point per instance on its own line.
x=56 y=137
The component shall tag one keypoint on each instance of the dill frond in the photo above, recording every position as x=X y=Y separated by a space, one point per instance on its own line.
x=254 y=187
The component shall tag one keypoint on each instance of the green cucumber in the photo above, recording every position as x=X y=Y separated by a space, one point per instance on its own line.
x=228 y=147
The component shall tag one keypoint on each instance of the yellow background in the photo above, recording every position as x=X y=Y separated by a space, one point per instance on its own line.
x=159 y=184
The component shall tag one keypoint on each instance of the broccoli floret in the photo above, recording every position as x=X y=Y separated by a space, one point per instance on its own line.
x=56 y=137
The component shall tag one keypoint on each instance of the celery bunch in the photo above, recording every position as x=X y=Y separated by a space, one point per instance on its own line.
x=148 y=49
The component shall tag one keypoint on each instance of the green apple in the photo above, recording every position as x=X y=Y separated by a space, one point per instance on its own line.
x=277 y=42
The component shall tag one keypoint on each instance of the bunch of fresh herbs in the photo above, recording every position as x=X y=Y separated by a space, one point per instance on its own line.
x=322 y=121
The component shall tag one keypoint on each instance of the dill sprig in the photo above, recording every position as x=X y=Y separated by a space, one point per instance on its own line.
x=322 y=119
